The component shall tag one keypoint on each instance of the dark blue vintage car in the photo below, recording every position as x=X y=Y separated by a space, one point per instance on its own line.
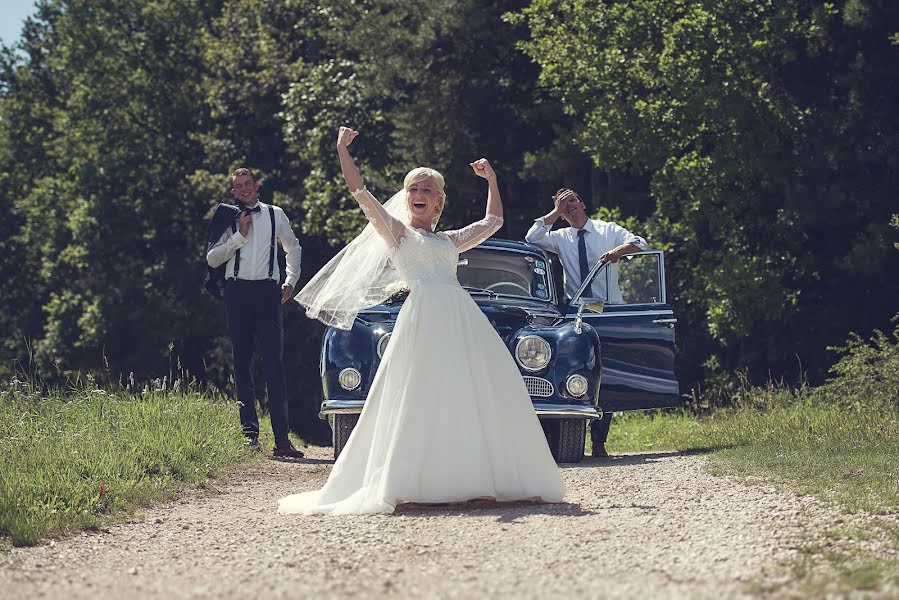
x=610 y=348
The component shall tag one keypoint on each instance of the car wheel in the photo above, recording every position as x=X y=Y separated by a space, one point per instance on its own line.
x=341 y=428
x=566 y=438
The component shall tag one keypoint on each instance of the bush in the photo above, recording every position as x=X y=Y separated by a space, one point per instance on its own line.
x=867 y=375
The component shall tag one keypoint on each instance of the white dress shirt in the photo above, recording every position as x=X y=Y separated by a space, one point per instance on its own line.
x=601 y=237
x=254 y=249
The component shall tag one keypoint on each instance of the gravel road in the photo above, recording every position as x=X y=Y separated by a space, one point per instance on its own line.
x=648 y=525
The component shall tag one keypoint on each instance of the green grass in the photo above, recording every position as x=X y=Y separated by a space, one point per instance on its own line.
x=848 y=458
x=76 y=460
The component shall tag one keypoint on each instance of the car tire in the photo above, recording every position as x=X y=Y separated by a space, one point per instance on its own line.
x=566 y=438
x=341 y=428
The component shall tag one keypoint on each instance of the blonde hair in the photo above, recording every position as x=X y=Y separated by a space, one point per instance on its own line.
x=420 y=174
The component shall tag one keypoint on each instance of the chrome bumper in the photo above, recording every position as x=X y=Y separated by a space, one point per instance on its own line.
x=566 y=411
x=544 y=409
x=335 y=407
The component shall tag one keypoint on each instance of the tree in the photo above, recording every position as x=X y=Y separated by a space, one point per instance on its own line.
x=427 y=85
x=768 y=133
x=114 y=88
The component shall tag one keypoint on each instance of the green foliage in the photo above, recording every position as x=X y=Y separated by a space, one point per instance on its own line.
x=104 y=192
x=767 y=133
x=865 y=376
x=425 y=86
x=839 y=440
x=75 y=460
x=754 y=141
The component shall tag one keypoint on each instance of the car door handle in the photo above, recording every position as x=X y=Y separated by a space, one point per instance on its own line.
x=665 y=321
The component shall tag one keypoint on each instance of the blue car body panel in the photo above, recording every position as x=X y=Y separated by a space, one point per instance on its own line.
x=626 y=358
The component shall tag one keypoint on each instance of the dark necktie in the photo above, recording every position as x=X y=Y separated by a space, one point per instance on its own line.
x=246 y=209
x=582 y=259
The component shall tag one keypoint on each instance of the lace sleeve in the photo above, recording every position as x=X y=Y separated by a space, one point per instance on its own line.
x=388 y=227
x=472 y=235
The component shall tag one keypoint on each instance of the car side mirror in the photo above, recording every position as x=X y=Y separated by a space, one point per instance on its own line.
x=594 y=305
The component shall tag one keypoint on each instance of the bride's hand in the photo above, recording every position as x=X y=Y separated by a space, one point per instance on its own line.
x=345 y=137
x=482 y=168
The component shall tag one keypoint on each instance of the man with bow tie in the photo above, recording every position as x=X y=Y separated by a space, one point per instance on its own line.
x=579 y=248
x=253 y=300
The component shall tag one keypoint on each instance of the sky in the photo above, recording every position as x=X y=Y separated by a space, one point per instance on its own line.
x=12 y=16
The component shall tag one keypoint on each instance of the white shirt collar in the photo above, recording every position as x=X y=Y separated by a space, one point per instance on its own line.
x=588 y=227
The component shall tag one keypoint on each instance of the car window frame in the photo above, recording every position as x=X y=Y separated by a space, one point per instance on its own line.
x=602 y=265
x=537 y=255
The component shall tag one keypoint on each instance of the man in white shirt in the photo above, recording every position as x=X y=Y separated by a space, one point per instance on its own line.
x=253 y=302
x=579 y=247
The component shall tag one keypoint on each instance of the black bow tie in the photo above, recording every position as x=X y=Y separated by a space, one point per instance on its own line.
x=246 y=209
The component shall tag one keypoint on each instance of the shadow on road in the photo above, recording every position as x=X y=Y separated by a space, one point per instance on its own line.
x=622 y=460
x=303 y=461
x=506 y=512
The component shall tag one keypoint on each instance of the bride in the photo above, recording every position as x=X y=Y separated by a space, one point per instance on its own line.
x=448 y=417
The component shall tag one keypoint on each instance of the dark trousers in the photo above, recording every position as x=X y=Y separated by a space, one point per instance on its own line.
x=599 y=428
x=254 y=315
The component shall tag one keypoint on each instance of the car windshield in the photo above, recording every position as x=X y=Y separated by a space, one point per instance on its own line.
x=504 y=272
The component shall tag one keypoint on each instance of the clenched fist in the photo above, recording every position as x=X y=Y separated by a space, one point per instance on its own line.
x=482 y=168
x=345 y=137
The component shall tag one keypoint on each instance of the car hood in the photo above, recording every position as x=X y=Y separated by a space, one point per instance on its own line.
x=507 y=314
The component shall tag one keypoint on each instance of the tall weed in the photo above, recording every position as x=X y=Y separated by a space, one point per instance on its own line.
x=71 y=459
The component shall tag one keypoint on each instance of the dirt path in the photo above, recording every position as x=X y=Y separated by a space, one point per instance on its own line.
x=650 y=525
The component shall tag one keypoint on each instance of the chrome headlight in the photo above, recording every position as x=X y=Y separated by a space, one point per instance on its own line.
x=576 y=385
x=382 y=344
x=532 y=353
x=349 y=379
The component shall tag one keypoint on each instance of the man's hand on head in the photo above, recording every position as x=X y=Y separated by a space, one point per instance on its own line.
x=558 y=200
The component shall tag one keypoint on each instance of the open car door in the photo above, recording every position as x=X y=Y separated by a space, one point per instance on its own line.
x=625 y=302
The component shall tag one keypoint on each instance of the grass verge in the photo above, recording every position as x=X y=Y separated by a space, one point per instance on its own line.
x=845 y=457
x=76 y=460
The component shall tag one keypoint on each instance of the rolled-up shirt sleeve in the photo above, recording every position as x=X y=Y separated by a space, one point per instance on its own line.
x=539 y=234
x=623 y=236
x=225 y=248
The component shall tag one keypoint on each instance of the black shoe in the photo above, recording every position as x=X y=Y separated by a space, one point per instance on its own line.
x=252 y=442
x=286 y=451
x=599 y=450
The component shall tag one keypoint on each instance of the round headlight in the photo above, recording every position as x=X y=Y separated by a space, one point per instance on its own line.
x=576 y=385
x=349 y=378
x=533 y=353
x=382 y=344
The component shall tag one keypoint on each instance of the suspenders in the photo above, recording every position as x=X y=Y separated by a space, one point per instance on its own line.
x=271 y=249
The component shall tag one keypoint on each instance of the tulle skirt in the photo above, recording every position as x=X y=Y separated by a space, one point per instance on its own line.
x=448 y=419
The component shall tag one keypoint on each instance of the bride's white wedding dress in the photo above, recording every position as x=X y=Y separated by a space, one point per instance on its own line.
x=448 y=417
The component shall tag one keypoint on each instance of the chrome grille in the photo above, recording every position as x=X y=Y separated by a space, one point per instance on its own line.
x=537 y=386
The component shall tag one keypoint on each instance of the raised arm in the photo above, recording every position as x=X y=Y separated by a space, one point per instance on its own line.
x=472 y=235
x=540 y=234
x=389 y=228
